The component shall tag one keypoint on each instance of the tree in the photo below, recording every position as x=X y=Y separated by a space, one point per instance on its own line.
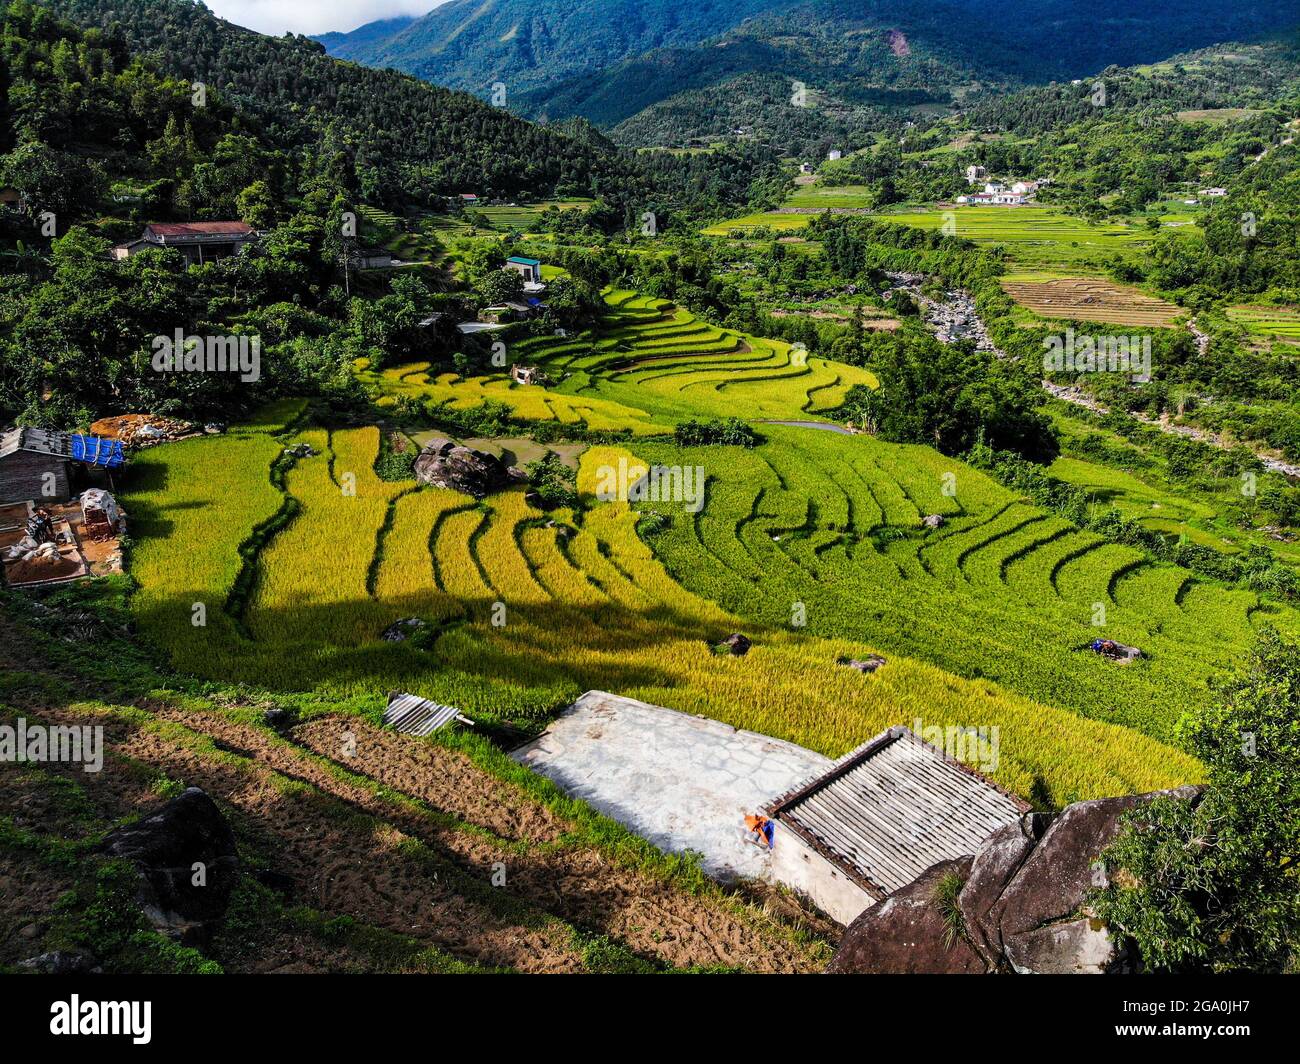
x=1211 y=885
x=501 y=286
x=948 y=396
x=256 y=205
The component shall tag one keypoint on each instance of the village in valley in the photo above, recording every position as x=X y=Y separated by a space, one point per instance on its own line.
x=857 y=534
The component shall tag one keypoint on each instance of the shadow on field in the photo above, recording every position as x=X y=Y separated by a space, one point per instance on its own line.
x=522 y=670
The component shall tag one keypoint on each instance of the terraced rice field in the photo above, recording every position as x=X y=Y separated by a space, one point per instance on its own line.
x=523 y=216
x=784 y=223
x=388 y=230
x=1092 y=299
x=812 y=543
x=1032 y=235
x=531 y=402
x=1003 y=591
x=647 y=365
x=1217 y=115
x=526 y=609
x=821 y=197
x=1282 y=323
x=1159 y=510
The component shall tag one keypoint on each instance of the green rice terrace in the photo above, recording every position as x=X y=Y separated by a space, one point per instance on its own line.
x=813 y=543
x=1035 y=237
x=649 y=365
x=1268 y=323
x=1041 y=236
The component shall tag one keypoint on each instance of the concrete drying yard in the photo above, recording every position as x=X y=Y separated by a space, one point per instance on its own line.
x=683 y=782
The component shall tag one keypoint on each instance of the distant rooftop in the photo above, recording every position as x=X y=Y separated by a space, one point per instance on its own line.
x=197 y=230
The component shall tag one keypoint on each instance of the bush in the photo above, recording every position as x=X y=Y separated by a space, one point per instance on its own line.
x=554 y=482
x=731 y=432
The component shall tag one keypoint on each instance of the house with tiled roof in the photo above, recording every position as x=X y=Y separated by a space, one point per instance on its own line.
x=199 y=242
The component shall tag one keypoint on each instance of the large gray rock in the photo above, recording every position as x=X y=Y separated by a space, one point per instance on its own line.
x=1055 y=878
x=906 y=933
x=444 y=464
x=185 y=854
x=1082 y=946
x=61 y=962
x=1024 y=903
x=993 y=868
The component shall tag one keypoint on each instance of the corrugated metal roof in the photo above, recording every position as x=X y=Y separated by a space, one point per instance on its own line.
x=11 y=441
x=894 y=807
x=414 y=715
x=92 y=450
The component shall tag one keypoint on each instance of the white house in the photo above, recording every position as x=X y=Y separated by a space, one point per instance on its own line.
x=975 y=174
x=835 y=155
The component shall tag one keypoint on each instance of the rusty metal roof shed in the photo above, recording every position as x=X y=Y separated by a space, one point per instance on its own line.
x=894 y=807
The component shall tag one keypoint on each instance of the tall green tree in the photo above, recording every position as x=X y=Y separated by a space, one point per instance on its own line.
x=1214 y=885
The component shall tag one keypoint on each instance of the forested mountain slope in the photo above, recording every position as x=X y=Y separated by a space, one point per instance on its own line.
x=469 y=44
x=611 y=61
x=405 y=139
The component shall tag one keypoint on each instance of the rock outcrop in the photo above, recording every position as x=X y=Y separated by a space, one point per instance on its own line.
x=736 y=644
x=867 y=665
x=907 y=933
x=1023 y=905
x=61 y=962
x=445 y=464
x=185 y=854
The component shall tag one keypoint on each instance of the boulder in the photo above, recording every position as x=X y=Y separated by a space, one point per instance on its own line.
x=906 y=933
x=61 y=962
x=934 y=521
x=185 y=854
x=444 y=464
x=1024 y=902
x=1082 y=946
x=400 y=631
x=994 y=866
x=737 y=644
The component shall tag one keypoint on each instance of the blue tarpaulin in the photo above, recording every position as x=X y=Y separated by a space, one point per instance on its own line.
x=97 y=451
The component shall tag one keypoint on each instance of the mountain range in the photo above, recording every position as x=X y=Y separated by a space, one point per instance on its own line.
x=649 y=69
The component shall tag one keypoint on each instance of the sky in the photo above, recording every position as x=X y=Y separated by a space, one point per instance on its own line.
x=313 y=16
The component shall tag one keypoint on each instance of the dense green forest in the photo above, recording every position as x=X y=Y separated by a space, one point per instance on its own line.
x=406 y=141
